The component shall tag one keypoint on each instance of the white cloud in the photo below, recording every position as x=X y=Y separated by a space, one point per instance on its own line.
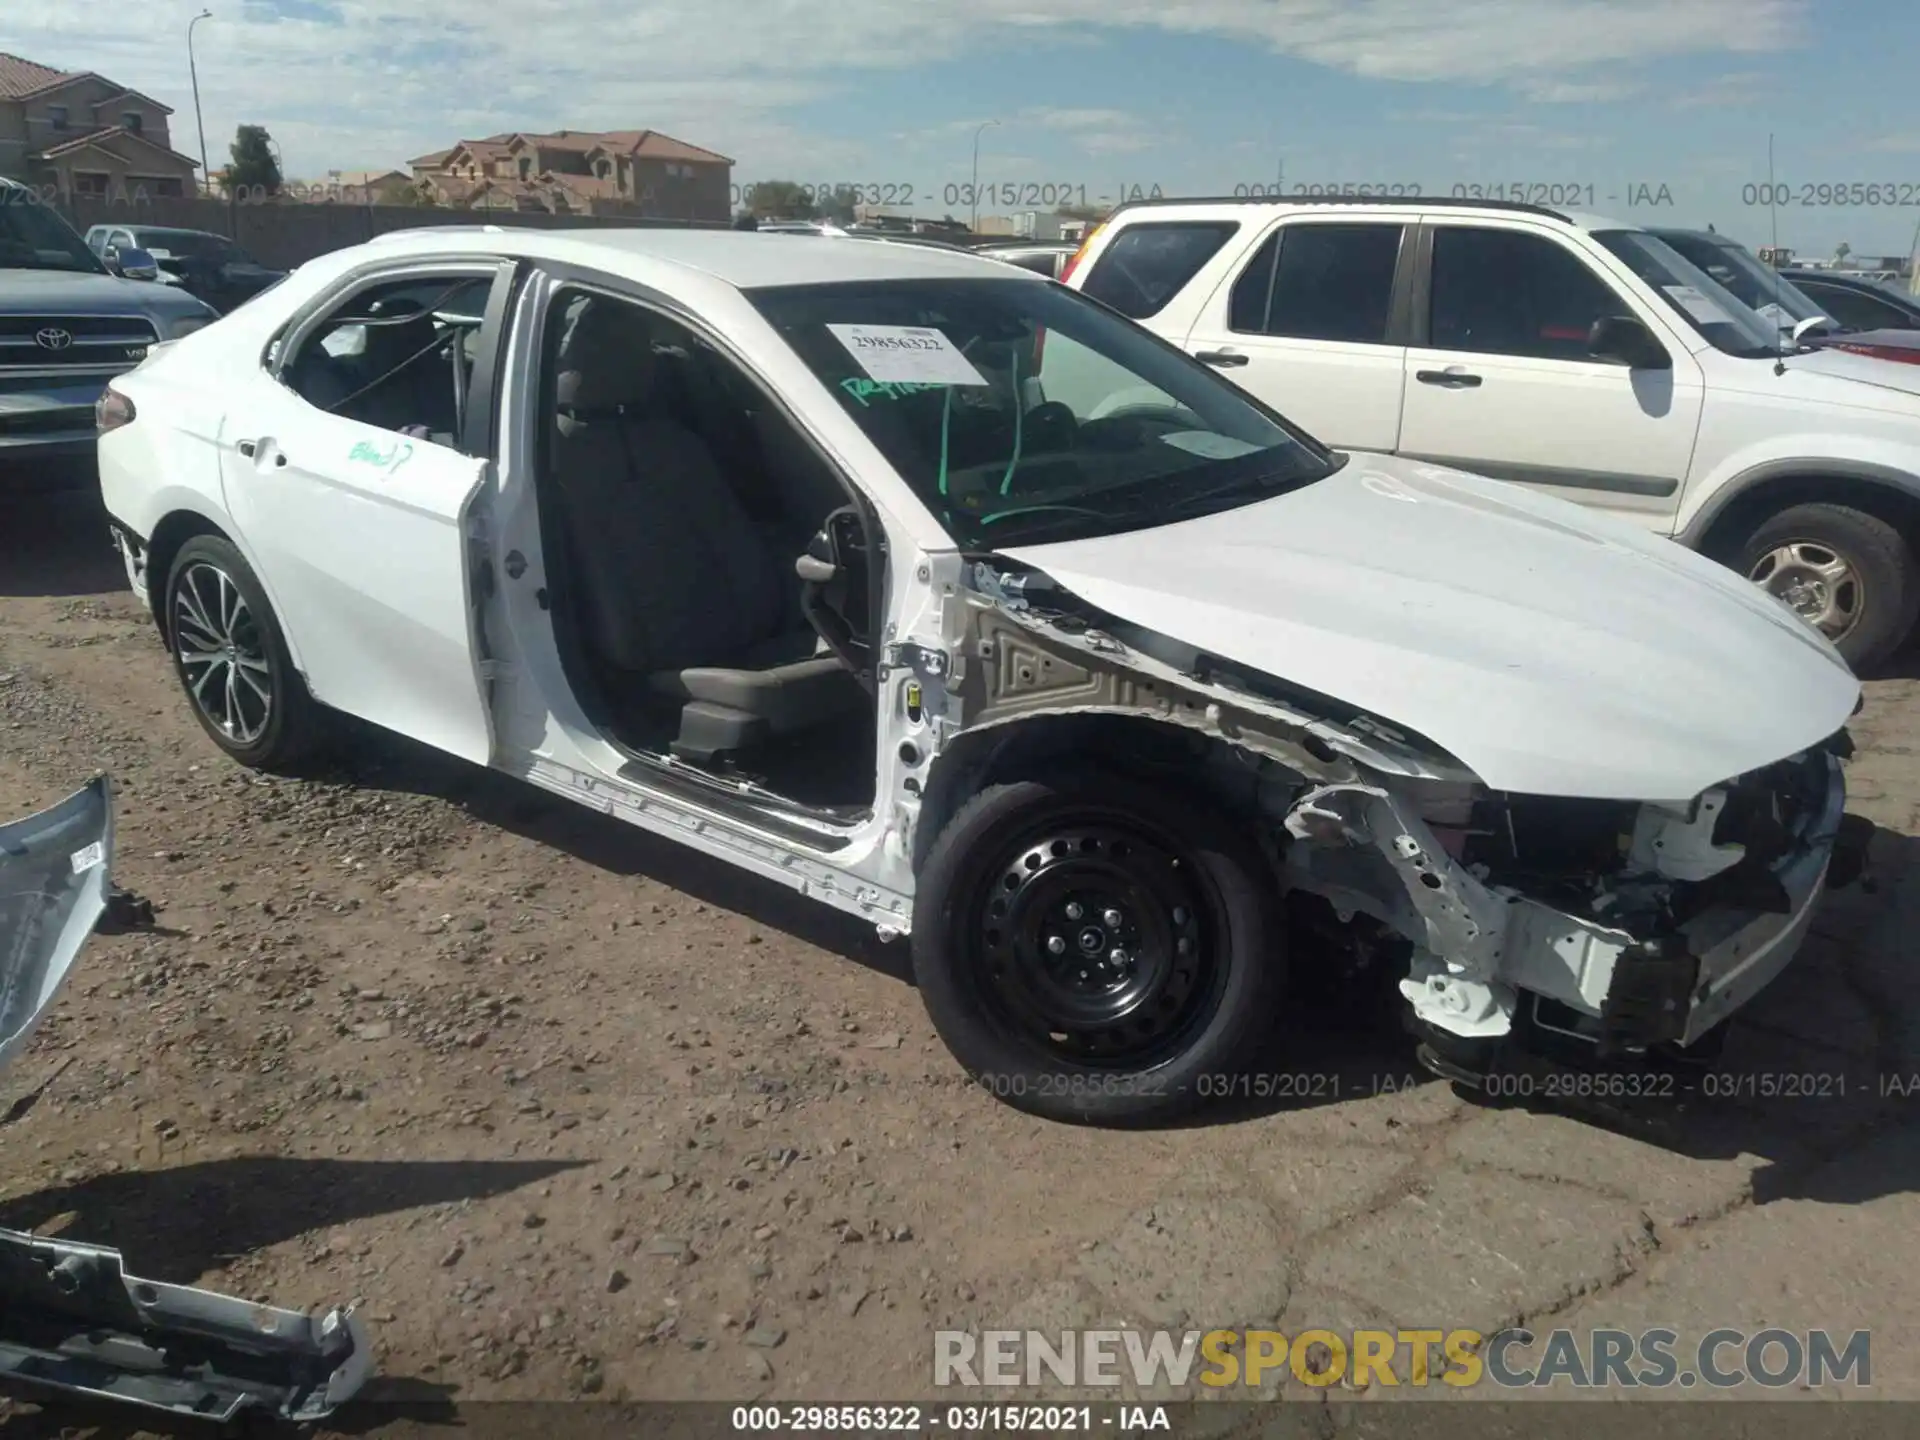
x=377 y=86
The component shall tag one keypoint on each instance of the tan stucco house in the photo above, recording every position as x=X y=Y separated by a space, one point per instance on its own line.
x=78 y=133
x=636 y=172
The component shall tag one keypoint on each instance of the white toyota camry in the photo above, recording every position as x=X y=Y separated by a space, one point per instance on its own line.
x=959 y=602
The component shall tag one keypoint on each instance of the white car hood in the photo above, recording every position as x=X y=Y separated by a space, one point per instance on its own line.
x=1552 y=650
x=1867 y=369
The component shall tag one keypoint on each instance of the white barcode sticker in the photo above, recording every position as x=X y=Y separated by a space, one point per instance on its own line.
x=88 y=856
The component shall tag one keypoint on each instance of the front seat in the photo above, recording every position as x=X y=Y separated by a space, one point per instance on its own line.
x=675 y=583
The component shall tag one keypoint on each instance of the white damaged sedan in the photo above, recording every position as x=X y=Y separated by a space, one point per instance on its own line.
x=956 y=601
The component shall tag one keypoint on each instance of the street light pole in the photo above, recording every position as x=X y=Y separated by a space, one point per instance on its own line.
x=973 y=191
x=198 y=123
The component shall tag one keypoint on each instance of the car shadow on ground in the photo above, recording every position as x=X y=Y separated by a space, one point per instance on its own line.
x=177 y=1224
x=56 y=545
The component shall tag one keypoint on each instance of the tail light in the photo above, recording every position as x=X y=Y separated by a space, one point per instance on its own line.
x=1086 y=244
x=111 y=411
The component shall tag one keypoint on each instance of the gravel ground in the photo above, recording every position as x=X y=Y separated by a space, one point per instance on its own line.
x=574 y=1112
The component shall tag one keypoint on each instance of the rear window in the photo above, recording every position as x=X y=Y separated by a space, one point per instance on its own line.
x=1145 y=266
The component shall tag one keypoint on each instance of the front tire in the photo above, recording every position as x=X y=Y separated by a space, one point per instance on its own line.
x=232 y=659
x=1849 y=573
x=1096 y=951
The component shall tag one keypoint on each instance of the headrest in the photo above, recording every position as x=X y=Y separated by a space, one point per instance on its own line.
x=401 y=329
x=606 y=360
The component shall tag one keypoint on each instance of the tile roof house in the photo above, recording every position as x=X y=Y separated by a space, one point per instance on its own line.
x=79 y=133
x=612 y=172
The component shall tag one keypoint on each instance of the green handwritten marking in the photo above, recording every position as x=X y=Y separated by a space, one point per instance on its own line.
x=863 y=389
x=365 y=452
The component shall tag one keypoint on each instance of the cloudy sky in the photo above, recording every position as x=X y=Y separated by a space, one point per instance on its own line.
x=1613 y=99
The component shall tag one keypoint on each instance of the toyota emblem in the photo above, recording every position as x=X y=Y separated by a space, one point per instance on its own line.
x=53 y=338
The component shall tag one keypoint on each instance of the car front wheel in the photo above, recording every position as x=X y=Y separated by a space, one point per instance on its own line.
x=232 y=659
x=1848 y=573
x=1098 y=951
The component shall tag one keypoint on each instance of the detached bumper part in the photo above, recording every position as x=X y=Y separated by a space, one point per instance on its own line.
x=73 y=1323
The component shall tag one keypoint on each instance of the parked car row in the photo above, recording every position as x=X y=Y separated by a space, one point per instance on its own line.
x=1567 y=353
x=207 y=266
x=1030 y=620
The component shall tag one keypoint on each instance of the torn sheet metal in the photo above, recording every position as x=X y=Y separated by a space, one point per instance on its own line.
x=72 y=1321
x=54 y=884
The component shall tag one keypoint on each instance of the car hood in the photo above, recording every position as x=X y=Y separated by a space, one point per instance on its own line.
x=73 y=292
x=1830 y=360
x=1552 y=650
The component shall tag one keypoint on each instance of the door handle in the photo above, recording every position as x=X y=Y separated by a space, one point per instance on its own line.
x=1447 y=379
x=1219 y=357
x=246 y=447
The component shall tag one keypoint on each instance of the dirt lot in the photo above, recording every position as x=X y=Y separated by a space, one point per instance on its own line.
x=574 y=1112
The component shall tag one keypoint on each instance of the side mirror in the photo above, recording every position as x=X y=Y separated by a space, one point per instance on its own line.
x=1626 y=339
x=1809 y=325
x=134 y=264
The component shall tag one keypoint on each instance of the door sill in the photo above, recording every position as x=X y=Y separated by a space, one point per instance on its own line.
x=817 y=828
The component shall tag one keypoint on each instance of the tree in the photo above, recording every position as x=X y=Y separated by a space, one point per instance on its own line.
x=782 y=200
x=1841 y=252
x=837 y=207
x=255 y=170
x=1088 y=213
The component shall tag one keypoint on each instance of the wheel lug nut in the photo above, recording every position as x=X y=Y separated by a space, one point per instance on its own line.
x=1074 y=910
x=1179 y=916
x=1119 y=957
x=1113 y=919
x=1184 y=946
x=1056 y=945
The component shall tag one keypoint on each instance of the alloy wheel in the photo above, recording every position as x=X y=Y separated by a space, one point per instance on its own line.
x=1815 y=580
x=222 y=653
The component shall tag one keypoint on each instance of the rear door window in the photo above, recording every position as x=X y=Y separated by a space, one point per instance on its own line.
x=1146 y=265
x=1330 y=282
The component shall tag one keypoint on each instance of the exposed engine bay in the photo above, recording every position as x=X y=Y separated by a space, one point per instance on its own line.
x=1624 y=926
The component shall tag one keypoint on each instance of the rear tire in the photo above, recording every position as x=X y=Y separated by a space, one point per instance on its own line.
x=1850 y=573
x=232 y=659
x=1096 y=951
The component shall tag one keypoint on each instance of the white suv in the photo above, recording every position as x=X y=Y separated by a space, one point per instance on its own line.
x=1562 y=351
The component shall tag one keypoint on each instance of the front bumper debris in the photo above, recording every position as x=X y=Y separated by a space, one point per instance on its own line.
x=73 y=1323
x=1672 y=938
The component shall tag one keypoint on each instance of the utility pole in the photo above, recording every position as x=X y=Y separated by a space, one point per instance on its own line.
x=973 y=191
x=193 y=71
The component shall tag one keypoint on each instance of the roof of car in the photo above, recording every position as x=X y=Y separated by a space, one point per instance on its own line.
x=744 y=259
x=1579 y=219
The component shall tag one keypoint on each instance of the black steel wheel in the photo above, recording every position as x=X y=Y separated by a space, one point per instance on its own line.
x=1095 y=950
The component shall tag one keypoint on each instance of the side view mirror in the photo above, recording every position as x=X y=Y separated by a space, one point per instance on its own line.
x=1809 y=325
x=133 y=264
x=834 y=584
x=1626 y=339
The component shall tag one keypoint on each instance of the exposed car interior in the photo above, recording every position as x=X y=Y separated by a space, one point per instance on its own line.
x=398 y=356
x=711 y=590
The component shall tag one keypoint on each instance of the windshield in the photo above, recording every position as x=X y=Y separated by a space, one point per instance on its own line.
x=188 y=244
x=1021 y=411
x=1720 y=316
x=32 y=237
x=1759 y=286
